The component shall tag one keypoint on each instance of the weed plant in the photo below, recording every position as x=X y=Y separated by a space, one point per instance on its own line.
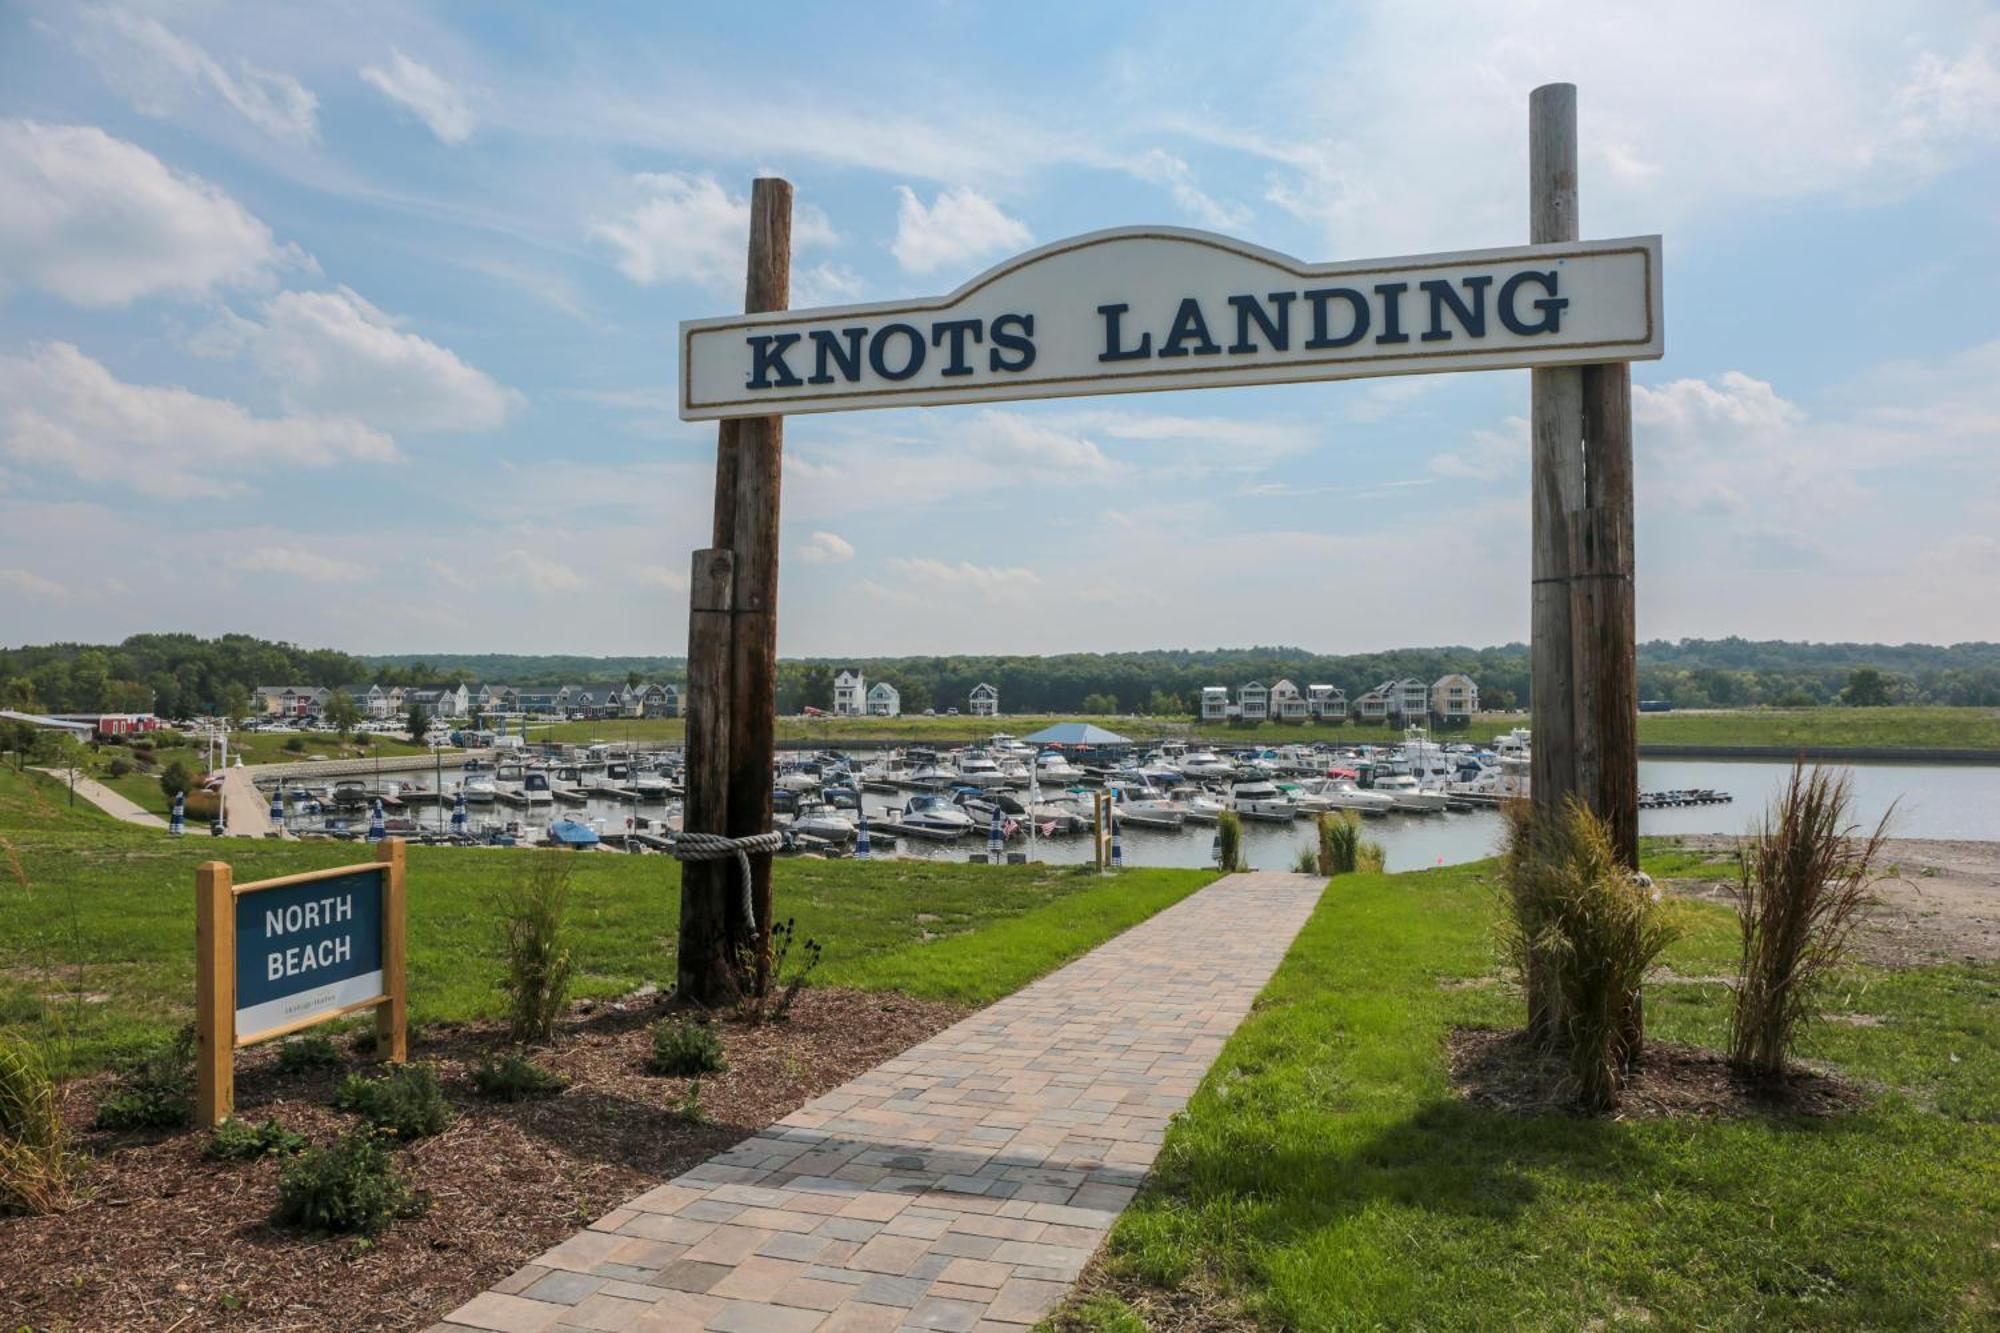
x=302 y=1055
x=240 y=1141
x=154 y=1090
x=535 y=934
x=515 y=1078
x=685 y=1049
x=406 y=1102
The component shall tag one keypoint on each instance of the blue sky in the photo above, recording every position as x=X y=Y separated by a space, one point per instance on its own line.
x=354 y=323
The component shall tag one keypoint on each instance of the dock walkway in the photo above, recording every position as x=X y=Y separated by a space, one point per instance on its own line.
x=962 y=1185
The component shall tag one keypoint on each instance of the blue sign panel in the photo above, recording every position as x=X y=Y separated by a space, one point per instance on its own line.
x=307 y=949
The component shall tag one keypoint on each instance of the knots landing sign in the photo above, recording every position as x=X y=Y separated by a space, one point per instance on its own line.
x=1141 y=309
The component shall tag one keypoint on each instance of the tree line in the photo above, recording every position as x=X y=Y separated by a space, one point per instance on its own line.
x=181 y=675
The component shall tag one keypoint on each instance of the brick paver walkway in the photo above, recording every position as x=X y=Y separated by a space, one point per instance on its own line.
x=960 y=1186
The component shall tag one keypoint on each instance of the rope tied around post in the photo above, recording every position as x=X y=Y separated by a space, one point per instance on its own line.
x=717 y=847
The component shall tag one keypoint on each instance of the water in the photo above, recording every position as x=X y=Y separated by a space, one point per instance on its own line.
x=1942 y=801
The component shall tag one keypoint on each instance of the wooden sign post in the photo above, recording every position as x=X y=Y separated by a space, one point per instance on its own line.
x=1141 y=309
x=280 y=955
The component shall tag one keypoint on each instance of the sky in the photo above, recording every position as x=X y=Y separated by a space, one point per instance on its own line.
x=353 y=324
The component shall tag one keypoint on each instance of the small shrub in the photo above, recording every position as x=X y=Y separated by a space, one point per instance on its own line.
x=685 y=1049
x=302 y=1055
x=514 y=1078
x=295 y=744
x=756 y=1007
x=535 y=935
x=240 y=1141
x=1369 y=858
x=154 y=1090
x=1307 y=861
x=689 y=1109
x=1229 y=836
x=175 y=778
x=406 y=1102
x=35 y=1163
x=1802 y=886
x=1339 y=843
x=348 y=1186
x=363 y=1041
x=118 y=767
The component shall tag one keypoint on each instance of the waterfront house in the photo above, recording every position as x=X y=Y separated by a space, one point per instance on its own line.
x=1214 y=703
x=1253 y=702
x=662 y=700
x=371 y=701
x=288 y=700
x=1286 y=703
x=850 y=694
x=984 y=700
x=1454 y=698
x=537 y=700
x=440 y=701
x=884 y=700
x=1373 y=706
x=1409 y=699
x=490 y=699
x=1328 y=703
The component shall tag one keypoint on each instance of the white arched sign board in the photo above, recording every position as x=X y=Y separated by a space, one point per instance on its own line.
x=1144 y=308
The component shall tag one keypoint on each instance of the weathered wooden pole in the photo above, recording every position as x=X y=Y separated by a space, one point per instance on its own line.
x=749 y=463
x=704 y=969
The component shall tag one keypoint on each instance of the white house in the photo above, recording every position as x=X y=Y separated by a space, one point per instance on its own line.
x=1374 y=705
x=985 y=700
x=1214 y=703
x=884 y=700
x=372 y=701
x=491 y=699
x=850 y=694
x=1286 y=703
x=440 y=701
x=1253 y=702
x=1454 y=698
x=1326 y=702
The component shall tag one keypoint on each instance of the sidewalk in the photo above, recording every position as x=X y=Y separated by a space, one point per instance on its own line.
x=962 y=1185
x=107 y=800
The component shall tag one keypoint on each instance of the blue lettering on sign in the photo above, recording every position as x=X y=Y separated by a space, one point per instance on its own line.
x=302 y=937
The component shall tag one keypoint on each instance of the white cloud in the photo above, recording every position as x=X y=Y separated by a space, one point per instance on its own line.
x=658 y=576
x=101 y=222
x=27 y=583
x=162 y=74
x=62 y=411
x=826 y=548
x=541 y=573
x=334 y=353
x=1163 y=168
x=297 y=563
x=1685 y=111
x=994 y=584
x=1489 y=455
x=686 y=228
x=827 y=284
x=961 y=227
x=426 y=93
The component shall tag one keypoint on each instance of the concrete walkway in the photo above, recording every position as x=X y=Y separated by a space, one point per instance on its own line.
x=107 y=800
x=962 y=1185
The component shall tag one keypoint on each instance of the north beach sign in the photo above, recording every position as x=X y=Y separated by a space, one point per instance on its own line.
x=307 y=950
x=1146 y=308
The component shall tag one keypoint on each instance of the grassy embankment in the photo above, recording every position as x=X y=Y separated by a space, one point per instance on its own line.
x=142 y=783
x=92 y=908
x=1324 y=1176
x=1949 y=728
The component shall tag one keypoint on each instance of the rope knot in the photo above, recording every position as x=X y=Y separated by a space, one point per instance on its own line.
x=718 y=847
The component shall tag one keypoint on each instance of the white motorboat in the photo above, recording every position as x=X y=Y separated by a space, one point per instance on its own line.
x=477 y=785
x=651 y=784
x=1342 y=794
x=1411 y=796
x=1196 y=803
x=1206 y=764
x=976 y=768
x=1055 y=770
x=800 y=777
x=933 y=775
x=936 y=816
x=1144 y=807
x=1261 y=799
x=535 y=788
x=819 y=820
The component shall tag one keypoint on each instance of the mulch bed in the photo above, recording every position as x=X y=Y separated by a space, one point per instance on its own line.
x=163 y=1239
x=1504 y=1071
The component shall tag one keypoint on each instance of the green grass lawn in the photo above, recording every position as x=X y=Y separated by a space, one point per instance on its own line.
x=94 y=908
x=1952 y=728
x=1324 y=1177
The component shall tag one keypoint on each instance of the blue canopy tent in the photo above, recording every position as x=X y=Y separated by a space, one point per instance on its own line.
x=1075 y=733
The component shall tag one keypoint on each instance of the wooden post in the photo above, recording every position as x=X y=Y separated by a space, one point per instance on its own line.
x=704 y=969
x=1606 y=633
x=1556 y=468
x=392 y=1039
x=749 y=465
x=214 y=993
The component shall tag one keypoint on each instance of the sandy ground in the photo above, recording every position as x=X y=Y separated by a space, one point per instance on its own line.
x=1939 y=903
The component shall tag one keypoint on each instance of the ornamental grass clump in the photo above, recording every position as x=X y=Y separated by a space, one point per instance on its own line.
x=1229 y=841
x=1583 y=931
x=1803 y=884
x=1339 y=842
x=36 y=1166
x=534 y=933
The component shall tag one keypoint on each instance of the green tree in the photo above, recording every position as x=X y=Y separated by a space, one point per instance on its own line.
x=18 y=692
x=232 y=700
x=175 y=778
x=1866 y=688
x=342 y=711
x=419 y=724
x=816 y=687
x=1100 y=703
